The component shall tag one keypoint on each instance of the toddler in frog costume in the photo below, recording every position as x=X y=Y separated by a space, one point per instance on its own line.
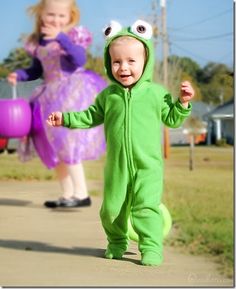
x=132 y=109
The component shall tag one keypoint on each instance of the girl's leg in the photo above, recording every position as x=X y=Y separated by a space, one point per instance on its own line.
x=77 y=176
x=65 y=181
x=66 y=187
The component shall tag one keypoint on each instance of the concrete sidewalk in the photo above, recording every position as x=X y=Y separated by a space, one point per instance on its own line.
x=65 y=247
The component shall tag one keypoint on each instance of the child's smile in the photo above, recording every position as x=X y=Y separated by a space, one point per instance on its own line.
x=127 y=61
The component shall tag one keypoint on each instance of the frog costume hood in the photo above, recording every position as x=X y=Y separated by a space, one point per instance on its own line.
x=140 y=30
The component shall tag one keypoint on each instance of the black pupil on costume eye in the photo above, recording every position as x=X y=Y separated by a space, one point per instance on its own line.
x=141 y=29
x=107 y=31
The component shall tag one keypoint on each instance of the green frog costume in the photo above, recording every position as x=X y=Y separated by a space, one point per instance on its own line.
x=133 y=174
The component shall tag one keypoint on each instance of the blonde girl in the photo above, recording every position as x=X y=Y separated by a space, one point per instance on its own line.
x=58 y=50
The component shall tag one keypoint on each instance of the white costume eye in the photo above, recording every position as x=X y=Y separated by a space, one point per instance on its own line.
x=112 y=29
x=142 y=29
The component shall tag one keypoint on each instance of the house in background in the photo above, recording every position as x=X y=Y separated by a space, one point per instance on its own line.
x=221 y=123
x=177 y=135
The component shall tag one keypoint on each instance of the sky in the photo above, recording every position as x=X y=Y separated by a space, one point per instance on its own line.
x=199 y=29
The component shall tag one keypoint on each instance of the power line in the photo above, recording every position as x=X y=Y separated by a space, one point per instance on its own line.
x=197 y=56
x=188 y=51
x=206 y=37
x=202 y=21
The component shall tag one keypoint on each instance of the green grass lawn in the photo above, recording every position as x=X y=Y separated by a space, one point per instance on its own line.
x=200 y=201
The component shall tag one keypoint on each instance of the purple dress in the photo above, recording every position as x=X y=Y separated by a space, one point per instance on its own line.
x=63 y=89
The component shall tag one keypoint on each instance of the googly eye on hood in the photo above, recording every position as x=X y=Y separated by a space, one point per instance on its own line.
x=112 y=29
x=139 y=28
x=142 y=31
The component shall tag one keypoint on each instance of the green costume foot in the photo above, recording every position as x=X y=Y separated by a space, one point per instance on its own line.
x=151 y=258
x=113 y=254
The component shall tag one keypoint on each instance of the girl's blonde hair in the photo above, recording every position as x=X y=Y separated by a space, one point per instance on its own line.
x=36 y=11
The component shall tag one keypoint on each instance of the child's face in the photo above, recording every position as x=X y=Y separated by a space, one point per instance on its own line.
x=127 y=60
x=56 y=14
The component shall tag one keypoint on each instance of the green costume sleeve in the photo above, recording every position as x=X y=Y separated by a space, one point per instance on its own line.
x=174 y=113
x=91 y=117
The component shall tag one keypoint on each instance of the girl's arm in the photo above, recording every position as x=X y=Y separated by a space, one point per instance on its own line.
x=35 y=71
x=75 y=54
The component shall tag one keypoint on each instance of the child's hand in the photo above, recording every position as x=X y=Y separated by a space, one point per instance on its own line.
x=50 y=32
x=12 y=78
x=186 y=93
x=55 y=119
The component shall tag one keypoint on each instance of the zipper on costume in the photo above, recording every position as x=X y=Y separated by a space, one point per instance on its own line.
x=128 y=131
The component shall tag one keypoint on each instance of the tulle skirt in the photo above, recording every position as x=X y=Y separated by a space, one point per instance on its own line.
x=59 y=144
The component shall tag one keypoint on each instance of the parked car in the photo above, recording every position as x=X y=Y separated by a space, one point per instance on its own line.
x=3 y=144
x=8 y=145
x=12 y=145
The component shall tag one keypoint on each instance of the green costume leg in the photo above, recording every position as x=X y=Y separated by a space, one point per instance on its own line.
x=117 y=234
x=116 y=200
x=146 y=217
x=117 y=230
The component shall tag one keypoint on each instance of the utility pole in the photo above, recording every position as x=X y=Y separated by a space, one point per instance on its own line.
x=165 y=70
x=164 y=41
x=155 y=22
x=155 y=19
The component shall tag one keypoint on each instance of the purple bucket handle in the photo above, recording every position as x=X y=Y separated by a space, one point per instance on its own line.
x=14 y=93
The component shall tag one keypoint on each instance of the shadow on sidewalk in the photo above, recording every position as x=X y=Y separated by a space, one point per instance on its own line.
x=21 y=203
x=12 y=202
x=47 y=248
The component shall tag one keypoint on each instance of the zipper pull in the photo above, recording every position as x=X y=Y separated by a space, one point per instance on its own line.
x=127 y=93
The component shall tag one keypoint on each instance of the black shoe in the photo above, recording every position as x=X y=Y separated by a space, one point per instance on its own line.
x=53 y=204
x=72 y=203
x=68 y=203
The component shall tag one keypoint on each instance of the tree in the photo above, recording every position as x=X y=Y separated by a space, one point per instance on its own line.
x=186 y=65
x=96 y=64
x=216 y=83
x=17 y=58
x=3 y=71
x=180 y=69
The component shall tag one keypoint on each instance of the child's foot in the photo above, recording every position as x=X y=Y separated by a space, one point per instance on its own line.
x=114 y=254
x=150 y=258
